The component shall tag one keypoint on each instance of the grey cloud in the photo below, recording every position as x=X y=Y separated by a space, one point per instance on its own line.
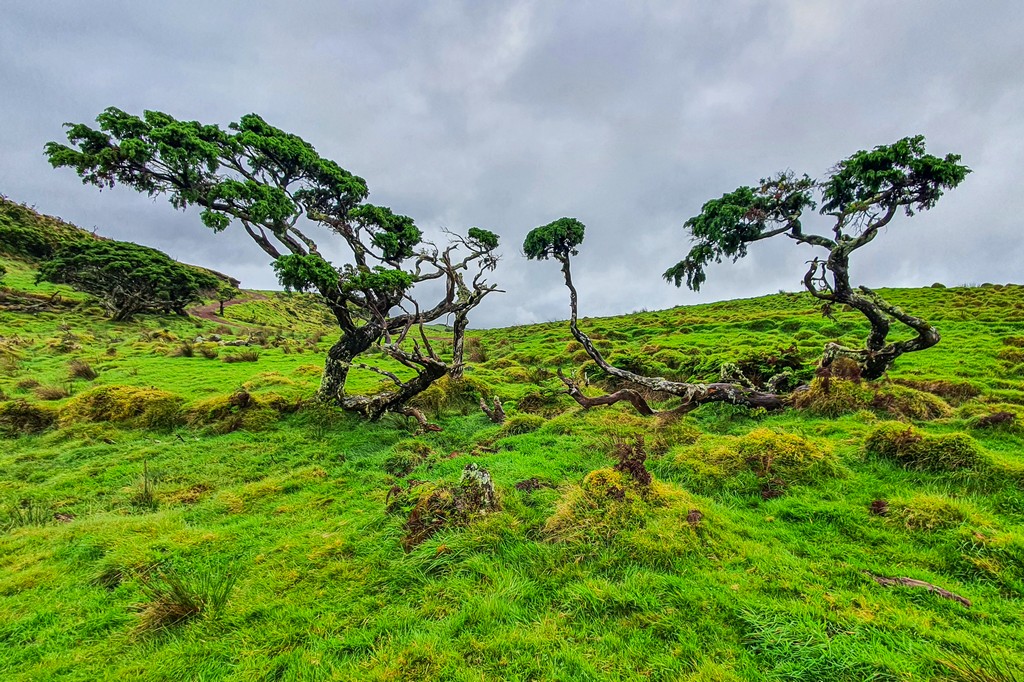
x=509 y=115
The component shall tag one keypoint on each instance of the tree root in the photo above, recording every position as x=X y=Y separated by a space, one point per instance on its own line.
x=496 y=414
x=911 y=582
x=627 y=394
x=425 y=426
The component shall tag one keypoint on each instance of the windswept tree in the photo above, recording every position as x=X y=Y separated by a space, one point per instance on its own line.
x=860 y=196
x=284 y=195
x=126 y=278
x=560 y=240
x=225 y=292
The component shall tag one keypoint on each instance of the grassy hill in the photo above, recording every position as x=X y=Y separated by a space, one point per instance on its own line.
x=172 y=509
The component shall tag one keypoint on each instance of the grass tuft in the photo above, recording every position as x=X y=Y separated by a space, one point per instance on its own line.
x=80 y=369
x=174 y=597
x=251 y=355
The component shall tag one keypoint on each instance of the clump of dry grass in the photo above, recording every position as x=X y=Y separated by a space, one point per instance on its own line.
x=51 y=392
x=80 y=369
x=243 y=356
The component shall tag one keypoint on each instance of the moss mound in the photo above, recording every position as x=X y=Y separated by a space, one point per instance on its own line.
x=656 y=524
x=927 y=512
x=910 y=403
x=768 y=459
x=520 y=424
x=406 y=456
x=20 y=417
x=831 y=397
x=916 y=449
x=141 y=407
x=240 y=410
x=461 y=395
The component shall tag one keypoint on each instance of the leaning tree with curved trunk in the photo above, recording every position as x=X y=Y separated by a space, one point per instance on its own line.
x=284 y=193
x=860 y=196
x=559 y=240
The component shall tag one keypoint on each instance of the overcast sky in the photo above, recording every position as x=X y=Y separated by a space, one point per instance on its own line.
x=507 y=115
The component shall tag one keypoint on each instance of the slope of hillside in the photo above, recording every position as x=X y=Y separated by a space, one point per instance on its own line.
x=141 y=474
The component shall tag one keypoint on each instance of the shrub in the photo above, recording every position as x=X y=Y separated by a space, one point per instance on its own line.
x=913 y=448
x=520 y=424
x=133 y=405
x=17 y=240
x=18 y=417
x=127 y=278
x=80 y=369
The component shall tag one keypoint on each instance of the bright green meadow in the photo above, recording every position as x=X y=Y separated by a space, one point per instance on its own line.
x=174 y=508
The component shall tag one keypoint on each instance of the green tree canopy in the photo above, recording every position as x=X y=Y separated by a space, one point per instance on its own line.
x=557 y=239
x=285 y=194
x=128 y=279
x=859 y=196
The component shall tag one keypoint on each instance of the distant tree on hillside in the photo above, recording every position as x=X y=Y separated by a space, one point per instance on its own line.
x=560 y=240
x=128 y=279
x=860 y=196
x=280 y=189
x=226 y=292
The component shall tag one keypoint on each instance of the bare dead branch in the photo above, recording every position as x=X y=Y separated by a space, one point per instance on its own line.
x=911 y=582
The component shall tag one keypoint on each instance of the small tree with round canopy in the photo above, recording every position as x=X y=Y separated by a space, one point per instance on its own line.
x=860 y=196
x=560 y=240
x=283 y=193
x=126 y=278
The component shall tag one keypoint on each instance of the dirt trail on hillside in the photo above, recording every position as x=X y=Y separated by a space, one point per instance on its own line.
x=209 y=311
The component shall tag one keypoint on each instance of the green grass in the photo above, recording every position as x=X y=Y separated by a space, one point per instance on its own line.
x=275 y=531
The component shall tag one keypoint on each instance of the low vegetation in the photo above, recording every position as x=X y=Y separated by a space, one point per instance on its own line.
x=173 y=516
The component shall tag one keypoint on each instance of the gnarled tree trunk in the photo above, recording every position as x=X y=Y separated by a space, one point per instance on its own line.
x=877 y=356
x=693 y=395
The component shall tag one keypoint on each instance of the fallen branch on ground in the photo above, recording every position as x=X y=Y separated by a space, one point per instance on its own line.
x=911 y=582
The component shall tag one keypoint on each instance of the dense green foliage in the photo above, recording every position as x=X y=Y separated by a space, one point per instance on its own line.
x=857 y=192
x=285 y=195
x=128 y=278
x=557 y=239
